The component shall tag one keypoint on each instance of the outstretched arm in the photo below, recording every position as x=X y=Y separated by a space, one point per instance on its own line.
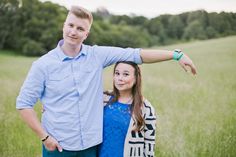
x=153 y=56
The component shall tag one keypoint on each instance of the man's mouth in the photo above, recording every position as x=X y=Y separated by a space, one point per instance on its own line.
x=72 y=37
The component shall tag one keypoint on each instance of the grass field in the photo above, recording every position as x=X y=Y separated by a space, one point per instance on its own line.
x=196 y=114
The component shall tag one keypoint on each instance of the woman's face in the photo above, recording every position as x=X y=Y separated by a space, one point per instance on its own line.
x=124 y=78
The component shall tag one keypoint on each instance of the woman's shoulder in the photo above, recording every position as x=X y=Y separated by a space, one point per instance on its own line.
x=147 y=106
x=147 y=103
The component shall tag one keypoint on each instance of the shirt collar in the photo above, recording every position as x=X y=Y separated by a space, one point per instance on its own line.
x=62 y=56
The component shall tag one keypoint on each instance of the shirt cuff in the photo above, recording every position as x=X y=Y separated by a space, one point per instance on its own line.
x=137 y=56
x=22 y=105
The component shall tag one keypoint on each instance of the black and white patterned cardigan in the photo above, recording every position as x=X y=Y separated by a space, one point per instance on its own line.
x=142 y=143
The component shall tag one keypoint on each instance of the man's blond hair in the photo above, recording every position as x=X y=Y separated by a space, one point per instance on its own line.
x=82 y=13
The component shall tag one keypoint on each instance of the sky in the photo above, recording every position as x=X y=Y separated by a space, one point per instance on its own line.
x=151 y=8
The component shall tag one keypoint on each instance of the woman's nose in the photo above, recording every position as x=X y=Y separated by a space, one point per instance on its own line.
x=120 y=78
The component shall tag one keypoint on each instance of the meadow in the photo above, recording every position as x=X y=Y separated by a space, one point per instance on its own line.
x=196 y=114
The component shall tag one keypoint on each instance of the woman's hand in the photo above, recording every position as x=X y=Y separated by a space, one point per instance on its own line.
x=186 y=62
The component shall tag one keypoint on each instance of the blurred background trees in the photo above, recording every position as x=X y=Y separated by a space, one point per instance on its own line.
x=33 y=28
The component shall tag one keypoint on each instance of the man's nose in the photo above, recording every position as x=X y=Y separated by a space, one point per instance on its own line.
x=73 y=31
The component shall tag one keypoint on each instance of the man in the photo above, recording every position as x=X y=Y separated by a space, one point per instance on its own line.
x=68 y=82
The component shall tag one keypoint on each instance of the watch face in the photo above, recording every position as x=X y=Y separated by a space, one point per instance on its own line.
x=178 y=50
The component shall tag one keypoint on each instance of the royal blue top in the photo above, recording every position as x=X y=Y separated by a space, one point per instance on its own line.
x=70 y=88
x=116 y=122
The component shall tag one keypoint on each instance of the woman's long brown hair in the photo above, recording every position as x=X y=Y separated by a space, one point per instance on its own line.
x=136 y=93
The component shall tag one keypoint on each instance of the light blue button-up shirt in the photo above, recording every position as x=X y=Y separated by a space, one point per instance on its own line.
x=70 y=88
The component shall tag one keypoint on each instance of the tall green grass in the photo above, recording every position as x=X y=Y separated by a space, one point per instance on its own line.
x=196 y=114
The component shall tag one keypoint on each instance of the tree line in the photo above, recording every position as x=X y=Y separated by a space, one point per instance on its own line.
x=32 y=28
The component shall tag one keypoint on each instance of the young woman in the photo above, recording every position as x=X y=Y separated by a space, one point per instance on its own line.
x=129 y=119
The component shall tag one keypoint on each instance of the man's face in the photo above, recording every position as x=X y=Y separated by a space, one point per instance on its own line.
x=75 y=30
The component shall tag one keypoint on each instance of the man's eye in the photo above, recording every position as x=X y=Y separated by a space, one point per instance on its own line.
x=80 y=29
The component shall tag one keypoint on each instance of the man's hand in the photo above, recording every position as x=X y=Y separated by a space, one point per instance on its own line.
x=51 y=144
x=185 y=62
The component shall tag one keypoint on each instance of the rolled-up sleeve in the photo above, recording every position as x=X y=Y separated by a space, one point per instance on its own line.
x=32 y=88
x=110 y=55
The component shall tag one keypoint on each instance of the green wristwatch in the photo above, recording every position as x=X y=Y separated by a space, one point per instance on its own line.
x=177 y=54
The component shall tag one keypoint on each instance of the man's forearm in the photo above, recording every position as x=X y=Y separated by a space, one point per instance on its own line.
x=152 y=56
x=30 y=117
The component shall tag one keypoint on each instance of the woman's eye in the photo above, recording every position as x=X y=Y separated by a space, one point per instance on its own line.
x=126 y=74
x=116 y=73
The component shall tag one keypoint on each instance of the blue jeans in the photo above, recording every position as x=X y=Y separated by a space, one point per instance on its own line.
x=90 y=152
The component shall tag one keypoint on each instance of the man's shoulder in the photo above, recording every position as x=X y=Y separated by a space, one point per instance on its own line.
x=91 y=48
x=47 y=58
x=98 y=47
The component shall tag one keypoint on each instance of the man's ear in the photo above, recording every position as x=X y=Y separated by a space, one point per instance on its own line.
x=87 y=34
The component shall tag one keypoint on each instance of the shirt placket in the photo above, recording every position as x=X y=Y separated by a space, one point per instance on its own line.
x=75 y=72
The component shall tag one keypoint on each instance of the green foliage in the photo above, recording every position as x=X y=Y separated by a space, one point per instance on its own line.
x=211 y=32
x=200 y=16
x=194 y=31
x=33 y=48
x=33 y=28
x=117 y=35
x=127 y=20
x=25 y=22
x=175 y=28
x=8 y=20
x=124 y=19
x=155 y=27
